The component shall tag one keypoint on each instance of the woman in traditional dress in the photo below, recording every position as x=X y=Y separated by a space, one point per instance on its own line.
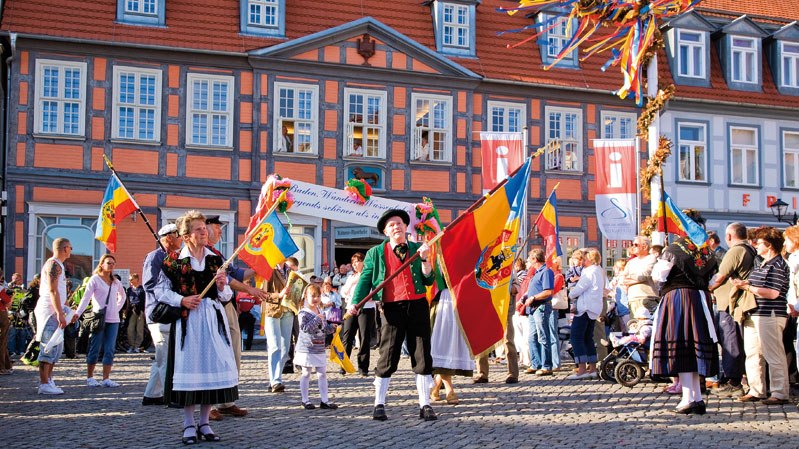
x=448 y=349
x=201 y=368
x=684 y=342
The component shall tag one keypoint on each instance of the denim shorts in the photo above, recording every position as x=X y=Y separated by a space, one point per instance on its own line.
x=55 y=353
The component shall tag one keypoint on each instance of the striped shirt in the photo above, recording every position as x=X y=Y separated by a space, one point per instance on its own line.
x=774 y=275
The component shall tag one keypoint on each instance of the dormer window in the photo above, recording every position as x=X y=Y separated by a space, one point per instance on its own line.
x=691 y=54
x=263 y=17
x=790 y=64
x=455 y=27
x=142 y=12
x=555 y=42
x=743 y=57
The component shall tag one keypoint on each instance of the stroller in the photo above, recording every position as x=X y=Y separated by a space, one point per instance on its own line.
x=625 y=365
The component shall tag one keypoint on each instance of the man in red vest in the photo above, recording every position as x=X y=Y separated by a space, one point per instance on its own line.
x=406 y=313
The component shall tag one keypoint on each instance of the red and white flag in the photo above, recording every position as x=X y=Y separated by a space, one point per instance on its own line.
x=616 y=188
x=502 y=154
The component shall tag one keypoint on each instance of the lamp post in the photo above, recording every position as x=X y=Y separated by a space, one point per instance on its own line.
x=779 y=208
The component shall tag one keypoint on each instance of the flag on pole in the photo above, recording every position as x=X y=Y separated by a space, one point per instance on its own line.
x=678 y=223
x=117 y=204
x=338 y=354
x=502 y=154
x=268 y=244
x=548 y=229
x=476 y=259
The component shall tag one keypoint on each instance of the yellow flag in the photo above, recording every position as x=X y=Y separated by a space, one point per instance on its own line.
x=339 y=355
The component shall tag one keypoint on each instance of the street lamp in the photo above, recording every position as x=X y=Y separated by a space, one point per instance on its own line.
x=779 y=209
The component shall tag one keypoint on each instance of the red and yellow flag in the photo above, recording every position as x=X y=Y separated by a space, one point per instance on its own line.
x=477 y=256
x=117 y=204
x=547 y=224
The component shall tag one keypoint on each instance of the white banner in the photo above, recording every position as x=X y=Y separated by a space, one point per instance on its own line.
x=336 y=204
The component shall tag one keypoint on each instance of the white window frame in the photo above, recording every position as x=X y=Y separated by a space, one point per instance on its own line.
x=311 y=125
x=209 y=113
x=569 y=236
x=692 y=147
x=691 y=51
x=613 y=120
x=454 y=27
x=556 y=40
x=793 y=153
x=136 y=106
x=750 y=155
x=558 y=159
x=505 y=108
x=367 y=150
x=745 y=58
x=139 y=9
x=441 y=140
x=264 y=5
x=60 y=99
x=789 y=78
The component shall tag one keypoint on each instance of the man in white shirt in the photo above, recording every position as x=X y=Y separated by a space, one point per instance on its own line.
x=637 y=276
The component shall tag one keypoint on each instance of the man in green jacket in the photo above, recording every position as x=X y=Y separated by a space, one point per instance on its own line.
x=406 y=312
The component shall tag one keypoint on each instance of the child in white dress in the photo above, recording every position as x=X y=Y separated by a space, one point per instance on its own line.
x=309 y=352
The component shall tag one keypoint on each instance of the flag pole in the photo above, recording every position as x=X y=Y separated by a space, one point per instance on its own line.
x=138 y=209
x=438 y=236
x=663 y=210
x=244 y=242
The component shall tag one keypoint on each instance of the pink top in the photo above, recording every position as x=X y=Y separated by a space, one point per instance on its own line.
x=97 y=291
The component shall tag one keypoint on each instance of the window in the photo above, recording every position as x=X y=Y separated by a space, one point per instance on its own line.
x=565 y=127
x=142 y=12
x=137 y=104
x=60 y=97
x=556 y=39
x=790 y=65
x=263 y=17
x=432 y=128
x=506 y=117
x=455 y=28
x=296 y=107
x=692 y=152
x=691 y=54
x=790 y=151
x=743 y=156
x=209 y=111
x=366 y=123
x=74 y=222
x=570 y=241
x=743 y=58
x=618 y=125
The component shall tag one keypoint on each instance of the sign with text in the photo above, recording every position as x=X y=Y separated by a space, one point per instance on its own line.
x=335 y=204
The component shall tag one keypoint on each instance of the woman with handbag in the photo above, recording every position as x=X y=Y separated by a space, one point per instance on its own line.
x=108 y=297
x=201 y=368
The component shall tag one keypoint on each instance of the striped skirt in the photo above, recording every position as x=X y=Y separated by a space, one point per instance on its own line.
x=683 y=335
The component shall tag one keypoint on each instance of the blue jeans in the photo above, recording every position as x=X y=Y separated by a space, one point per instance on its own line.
x=107 y=339
x=582 y=339
x=555 y=337
x=278 y=338
x=18 y=339
x=540 y=339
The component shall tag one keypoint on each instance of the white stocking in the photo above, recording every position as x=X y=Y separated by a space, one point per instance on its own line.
x=321 y=377
x=305 y=380
x=381 y=389
x=686 y=380
x=696 y=388
x=424 y=383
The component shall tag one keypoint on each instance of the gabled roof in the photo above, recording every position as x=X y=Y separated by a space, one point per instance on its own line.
x=691 y=20
x=375 y=29
x=789 y=32
x=745 y=27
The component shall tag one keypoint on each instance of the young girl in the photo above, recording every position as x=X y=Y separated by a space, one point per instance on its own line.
x=309 y=352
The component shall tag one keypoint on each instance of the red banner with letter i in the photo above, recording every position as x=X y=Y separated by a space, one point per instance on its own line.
x=616 y=188
x=502 y=153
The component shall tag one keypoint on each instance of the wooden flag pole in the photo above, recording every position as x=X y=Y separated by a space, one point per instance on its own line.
x=138 y=209
x=244 y=242
x=438 y=236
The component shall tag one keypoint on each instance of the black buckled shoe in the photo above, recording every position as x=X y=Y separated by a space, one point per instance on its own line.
x=380 y=413
x=208 y=436
x=308 y=406
x=327 y=406
x=426 y=413
x=191 y=439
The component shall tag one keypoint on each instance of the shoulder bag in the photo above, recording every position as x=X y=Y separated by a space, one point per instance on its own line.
x=97 y=318
x=163 y=313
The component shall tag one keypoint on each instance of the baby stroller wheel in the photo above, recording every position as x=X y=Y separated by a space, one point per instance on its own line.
x=607 y=369
x=628 y=373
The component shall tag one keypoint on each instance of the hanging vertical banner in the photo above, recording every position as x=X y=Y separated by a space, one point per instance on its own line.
x=616 y=188
x=502 y=153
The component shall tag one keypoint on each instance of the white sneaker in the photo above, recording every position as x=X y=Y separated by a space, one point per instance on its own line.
x=92 y=382
x=582 y=376
x=49 y=389
x=110 y=383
